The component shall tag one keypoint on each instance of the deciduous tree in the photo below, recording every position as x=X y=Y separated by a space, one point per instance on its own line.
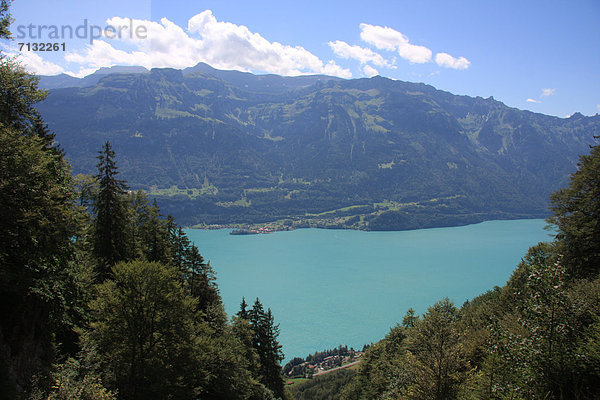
x=577 y=215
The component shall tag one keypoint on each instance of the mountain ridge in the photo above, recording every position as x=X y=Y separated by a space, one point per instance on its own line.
x=226 y=147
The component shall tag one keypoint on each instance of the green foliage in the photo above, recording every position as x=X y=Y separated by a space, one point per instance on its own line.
x=87 y=189
x=18 y=93
x=242 y=330
x=144 y=328
x=39 y=219
x=576 y=214
x=422 y=361
x=150 y=232
x=256 y=329
x=435 y=355
x=5 y=19
x=325 y=387
x=111 y=234
x=380 y=368
x=153 y=340
x=536 y=348
x=197 y=277
x=154 y=327
x=74 y=381
x=410 y=319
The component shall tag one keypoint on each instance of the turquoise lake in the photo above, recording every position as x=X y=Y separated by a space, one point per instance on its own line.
x=332 y=287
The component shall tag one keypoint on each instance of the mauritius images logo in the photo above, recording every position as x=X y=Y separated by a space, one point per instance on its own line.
x=129 y=30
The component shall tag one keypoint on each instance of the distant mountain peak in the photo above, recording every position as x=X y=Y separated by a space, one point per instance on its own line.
x=576 y=115
x=121 y=69
x=65 y=81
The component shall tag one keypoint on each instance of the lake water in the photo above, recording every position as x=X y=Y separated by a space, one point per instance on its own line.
x=331 y=287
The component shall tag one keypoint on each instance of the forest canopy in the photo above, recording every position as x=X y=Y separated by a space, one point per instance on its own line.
x=101 y=296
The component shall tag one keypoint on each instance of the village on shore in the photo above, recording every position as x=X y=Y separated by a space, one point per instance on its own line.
x=321 y=363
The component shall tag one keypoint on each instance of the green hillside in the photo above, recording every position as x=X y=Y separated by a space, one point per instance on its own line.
x=223 y=147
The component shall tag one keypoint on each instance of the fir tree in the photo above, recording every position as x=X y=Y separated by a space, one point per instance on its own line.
x=272 y=355
x=111 y=240
x=268 y=348
x=410 y=319
x=150 y=231
x=243 y=313
x=156 y=236
x=179 y=243
x=5 y=19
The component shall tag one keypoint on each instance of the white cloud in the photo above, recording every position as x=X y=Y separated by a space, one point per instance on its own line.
x=370 y=71
x=223 y=45
x=386 y=38
x=446 y=60
x=415 y=54
x=101 y=53
x=548 y=92
x=361 y=54
x=598 y=107
x=383 y=38
x=545 y=93
x=32 y=61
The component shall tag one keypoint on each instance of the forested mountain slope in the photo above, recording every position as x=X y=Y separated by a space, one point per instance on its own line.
x=225 y=146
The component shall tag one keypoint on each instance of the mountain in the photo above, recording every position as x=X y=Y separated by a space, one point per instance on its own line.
x=259 y=83
x=256 y=83
x=65 y=81
x=223 y=147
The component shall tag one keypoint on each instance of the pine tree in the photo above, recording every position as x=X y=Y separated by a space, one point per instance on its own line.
x=156 y=236
x=268 y=348
x=202 y=280
x=410 y=319
x=197 y=276
x=179 y=243
x=243 y=332
x=272 y=356
x=150 y=231
x=5 y=19
x=243 y=313
x=111 y=238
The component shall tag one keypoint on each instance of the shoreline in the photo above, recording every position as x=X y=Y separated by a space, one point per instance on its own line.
x=266 y=228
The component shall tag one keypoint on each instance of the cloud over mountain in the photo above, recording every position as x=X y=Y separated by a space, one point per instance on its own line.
x=206 y=39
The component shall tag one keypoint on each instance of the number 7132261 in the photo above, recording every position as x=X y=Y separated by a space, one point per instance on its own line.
x=49 y=46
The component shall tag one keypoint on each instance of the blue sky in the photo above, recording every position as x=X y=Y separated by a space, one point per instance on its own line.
x=543 y=56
